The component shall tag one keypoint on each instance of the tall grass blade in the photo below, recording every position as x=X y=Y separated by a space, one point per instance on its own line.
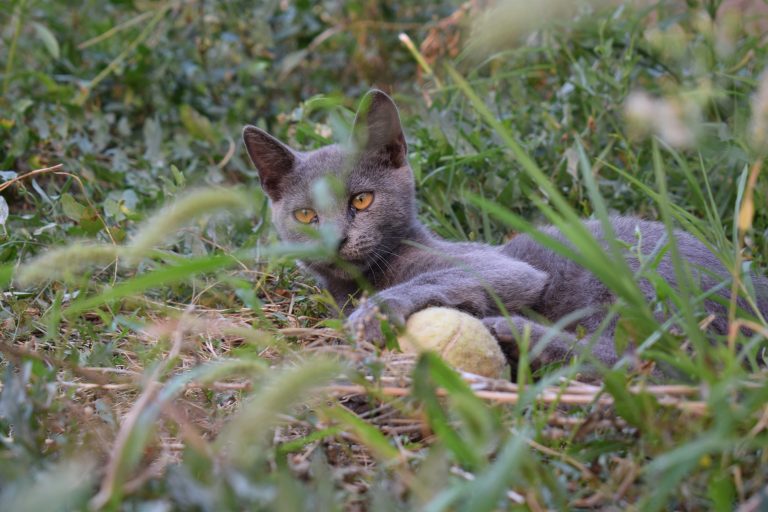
x=181 y=212
x=242 y=440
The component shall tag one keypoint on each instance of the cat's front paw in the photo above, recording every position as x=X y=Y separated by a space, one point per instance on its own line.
x=506 y=332
x=364 y=324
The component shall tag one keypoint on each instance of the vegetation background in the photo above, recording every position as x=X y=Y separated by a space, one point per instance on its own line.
x=179 y=361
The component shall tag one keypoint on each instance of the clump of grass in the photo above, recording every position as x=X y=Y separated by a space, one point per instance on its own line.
x=242 y=441
x=66 y=263
x=59 y=487
x=169 y=219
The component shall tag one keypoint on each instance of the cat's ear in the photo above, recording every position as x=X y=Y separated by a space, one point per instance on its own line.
x=273 y=159
x=377 y=128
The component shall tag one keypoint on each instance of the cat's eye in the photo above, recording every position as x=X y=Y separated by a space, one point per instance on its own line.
x=305 y=215
x=362 y=200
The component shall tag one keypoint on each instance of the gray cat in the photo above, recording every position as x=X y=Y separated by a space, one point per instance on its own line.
x=381 y=240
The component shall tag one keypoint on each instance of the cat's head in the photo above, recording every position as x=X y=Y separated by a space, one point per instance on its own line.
x=375 y=206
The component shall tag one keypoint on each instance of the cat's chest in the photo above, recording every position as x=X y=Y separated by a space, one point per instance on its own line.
x=383 y=277
x=412 y=263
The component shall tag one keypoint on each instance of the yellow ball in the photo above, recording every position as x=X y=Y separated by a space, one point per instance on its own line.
x=460 y=339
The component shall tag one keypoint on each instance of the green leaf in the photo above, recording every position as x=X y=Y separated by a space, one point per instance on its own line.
x=429 y=372
x=20 y=106
x=669 y=468
x=365 y=433
x=3 y=211
x=48 y=39
x=722 y=491
x=197 y=124
x=63 y=485
x=633 y=407
x=390 y=337
x=178 y=176
x=72 y=208
x=297 y=444
x=6 y=274
x=489 y=487
x=624 y=401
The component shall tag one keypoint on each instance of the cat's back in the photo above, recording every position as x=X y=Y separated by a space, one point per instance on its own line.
x=637 y=236
x=572 y=287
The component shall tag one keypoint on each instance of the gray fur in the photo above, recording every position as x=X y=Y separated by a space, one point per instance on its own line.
x=411 y=268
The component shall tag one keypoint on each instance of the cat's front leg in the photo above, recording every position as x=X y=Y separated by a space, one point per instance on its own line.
x=548 y=345
x=364 y=323
x=474 y=289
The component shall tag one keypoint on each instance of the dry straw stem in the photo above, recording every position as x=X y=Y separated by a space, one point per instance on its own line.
x=85 y=92
x=115 y=30
x=672 y=396
x=746 y=216
x=173 y=217
x=216 y=386
x=119 y=460
x=44 y=170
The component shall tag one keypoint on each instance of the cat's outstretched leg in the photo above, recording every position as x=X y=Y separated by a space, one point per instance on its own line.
x=472 y=288
x=548 y=345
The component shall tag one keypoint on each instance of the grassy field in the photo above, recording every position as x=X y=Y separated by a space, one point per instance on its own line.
x=160 y=350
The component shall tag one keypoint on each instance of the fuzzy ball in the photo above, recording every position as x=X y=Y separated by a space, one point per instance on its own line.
x=460 y=339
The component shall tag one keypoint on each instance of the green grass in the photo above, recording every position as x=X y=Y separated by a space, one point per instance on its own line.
x=177 y=359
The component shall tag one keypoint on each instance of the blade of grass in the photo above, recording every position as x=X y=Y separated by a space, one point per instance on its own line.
x=138 y=425
x=682 y=274
x=429 y=371
x=161 y=277
x=242 y=439
x=568 y=220
x=365 y=433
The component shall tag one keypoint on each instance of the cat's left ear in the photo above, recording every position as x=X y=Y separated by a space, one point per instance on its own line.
x=273 y=159
x=377 y=128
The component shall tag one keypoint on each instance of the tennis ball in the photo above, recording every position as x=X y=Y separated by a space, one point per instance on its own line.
x=460 y=339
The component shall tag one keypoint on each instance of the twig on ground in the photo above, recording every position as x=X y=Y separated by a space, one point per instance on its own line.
x=24 y=176
x=664 y=396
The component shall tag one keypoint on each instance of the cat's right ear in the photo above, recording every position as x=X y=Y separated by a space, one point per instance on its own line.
x=377 y=128
x=273 y=159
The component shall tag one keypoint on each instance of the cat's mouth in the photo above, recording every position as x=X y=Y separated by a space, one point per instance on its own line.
x=354 y=256
x=361 y=262
x=340 y=269
x=349 y=263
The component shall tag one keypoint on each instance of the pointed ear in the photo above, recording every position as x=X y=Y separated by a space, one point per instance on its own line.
x=272 y=159
x=377 y=128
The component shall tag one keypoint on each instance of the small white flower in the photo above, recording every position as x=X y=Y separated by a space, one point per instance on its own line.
x=671 y=119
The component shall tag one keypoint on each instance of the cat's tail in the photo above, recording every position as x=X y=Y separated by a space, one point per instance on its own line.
x=760 y=285
x=761 y=291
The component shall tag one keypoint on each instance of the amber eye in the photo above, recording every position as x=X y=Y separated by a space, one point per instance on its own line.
x=305 y=215
x=362 y=200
